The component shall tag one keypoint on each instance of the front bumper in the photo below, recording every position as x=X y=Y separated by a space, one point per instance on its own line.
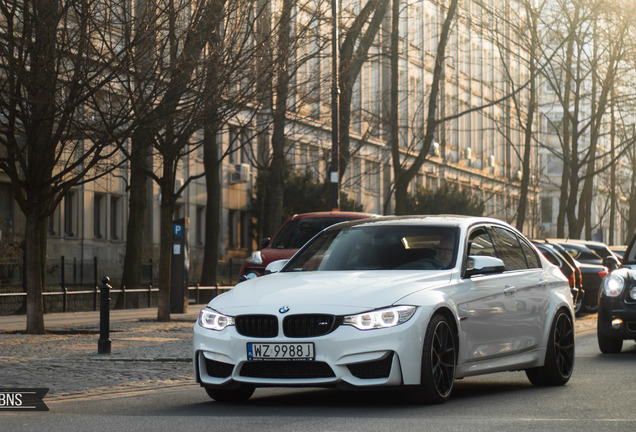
x=612 y=308
x=347 y=357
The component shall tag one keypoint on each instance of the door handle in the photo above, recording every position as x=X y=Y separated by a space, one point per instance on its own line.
x=509 y=290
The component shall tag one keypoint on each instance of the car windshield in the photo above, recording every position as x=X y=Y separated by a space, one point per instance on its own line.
x=379 y=247
x=294 y=234
x=630 y=254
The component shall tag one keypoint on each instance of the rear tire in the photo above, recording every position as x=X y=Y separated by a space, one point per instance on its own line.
x=559 y=357
x=439 y=359
x=240 y=394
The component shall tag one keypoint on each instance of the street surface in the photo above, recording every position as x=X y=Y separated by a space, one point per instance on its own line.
x=599 y=397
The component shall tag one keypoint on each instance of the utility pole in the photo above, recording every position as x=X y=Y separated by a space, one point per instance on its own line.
x=334 y=169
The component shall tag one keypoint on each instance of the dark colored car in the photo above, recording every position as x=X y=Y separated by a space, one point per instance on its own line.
x=570 y=269
x=608 y=257
x=617 y=305
x=294 y=233
x=592 y=269
x=618 y=250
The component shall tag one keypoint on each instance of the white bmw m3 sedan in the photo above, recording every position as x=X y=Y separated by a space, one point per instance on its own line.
x=409 y=303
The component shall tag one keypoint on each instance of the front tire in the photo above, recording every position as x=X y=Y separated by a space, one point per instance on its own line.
x=559 y=357
x=240 y=394
x=608 y=344
x=439 y=359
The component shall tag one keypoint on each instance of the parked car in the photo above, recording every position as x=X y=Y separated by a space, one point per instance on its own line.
x=294 y=233
x=617 y=305
x=608 y=257
x=619 y=250
x=398 y=302
x=570 y=269
x=592 y=270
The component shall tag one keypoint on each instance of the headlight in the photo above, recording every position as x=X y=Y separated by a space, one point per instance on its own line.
x=613 y=285
x=381 y=318
x=256 y=258
x=211 y=319
x=632 y=293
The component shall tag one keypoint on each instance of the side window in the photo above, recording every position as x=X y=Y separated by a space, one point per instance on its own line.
x=480 y=243
x=531 y=257
x=508 y=249
x=550 y=257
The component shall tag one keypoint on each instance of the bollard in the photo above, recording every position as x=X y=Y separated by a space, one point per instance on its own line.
x=103 y=344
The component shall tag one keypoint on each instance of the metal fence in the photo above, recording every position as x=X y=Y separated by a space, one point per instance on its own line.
x=73 y=285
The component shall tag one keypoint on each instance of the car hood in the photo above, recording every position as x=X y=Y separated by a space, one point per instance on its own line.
x=269 y=255
x=337 y=292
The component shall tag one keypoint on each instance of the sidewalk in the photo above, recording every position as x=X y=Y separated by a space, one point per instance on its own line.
x=65 y=321
x=144 y=353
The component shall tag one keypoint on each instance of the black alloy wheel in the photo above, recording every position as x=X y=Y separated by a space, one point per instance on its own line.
x=559 y=358
x=439 y=359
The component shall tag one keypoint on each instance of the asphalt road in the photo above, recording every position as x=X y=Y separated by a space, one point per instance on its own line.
x=599 y=397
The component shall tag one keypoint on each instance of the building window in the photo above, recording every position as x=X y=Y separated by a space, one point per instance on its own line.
x=6 y=211
x=99 y=220
x=233 y=225
x=199 y=224
x=553 y=165
x=245 y=230
x=70 y=214
x=546 y=210
x=54 y=223
x=238 y=232
x=115 y=218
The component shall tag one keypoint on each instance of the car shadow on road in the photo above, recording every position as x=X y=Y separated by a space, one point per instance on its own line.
x=353 y=403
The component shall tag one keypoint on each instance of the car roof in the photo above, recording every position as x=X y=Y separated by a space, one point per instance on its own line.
x=578 y=241
x=339 y=214
x=433 y=220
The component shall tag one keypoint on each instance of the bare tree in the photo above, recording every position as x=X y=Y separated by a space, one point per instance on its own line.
x=238 y=73
x=358 y=40
x=63 y=114
x=581 y=73
x=403 y=174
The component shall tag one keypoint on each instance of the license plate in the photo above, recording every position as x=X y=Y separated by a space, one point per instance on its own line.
x=280 y=351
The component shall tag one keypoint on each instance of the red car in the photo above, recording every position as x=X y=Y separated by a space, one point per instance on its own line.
x=294 y=233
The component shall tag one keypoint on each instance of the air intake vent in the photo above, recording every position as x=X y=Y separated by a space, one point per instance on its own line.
x=218 y=369
x=286 y=369
x=374 y=369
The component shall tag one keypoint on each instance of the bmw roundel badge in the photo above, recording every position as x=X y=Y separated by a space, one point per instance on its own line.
x=284 y=309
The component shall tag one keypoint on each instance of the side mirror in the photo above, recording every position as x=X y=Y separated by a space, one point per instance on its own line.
x=248 y=276
x=275 y=266
x=480 y=265
x=265 y=242
x=610 y=262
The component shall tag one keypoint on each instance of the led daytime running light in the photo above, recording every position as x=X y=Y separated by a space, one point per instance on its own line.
x=211 y=319
x=382 y=318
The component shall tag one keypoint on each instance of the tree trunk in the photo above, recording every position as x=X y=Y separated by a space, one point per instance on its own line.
x=137 y=203
x=213 y=205
x=274 y=199
x=166 y=237
x=401 y=186
x=34 y=276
